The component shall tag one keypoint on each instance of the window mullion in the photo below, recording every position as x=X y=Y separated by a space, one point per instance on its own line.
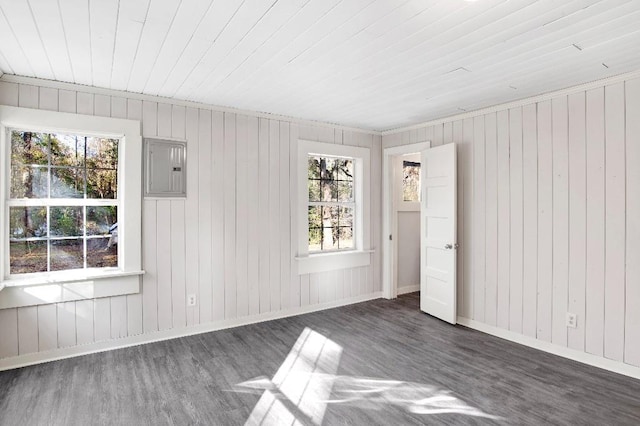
x=331 y=204
x=48 y=206
x=53 y=202
x=84 y=235
x=48 y=239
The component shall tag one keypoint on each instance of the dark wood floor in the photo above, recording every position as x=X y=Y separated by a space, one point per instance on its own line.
x=397 y=366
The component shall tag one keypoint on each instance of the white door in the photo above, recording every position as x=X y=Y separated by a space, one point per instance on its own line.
x=438 y=233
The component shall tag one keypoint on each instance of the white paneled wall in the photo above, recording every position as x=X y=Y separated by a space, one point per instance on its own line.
x=549 y=208
x=231 y=242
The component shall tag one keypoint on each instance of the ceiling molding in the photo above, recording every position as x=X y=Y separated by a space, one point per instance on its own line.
x=19 y=79
x=10 y=78
x=519 y=103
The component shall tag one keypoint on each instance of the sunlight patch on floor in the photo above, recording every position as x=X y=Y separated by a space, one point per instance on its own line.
x=306 y=383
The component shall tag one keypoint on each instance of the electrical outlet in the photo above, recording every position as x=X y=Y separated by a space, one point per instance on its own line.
x=572 y=320
x=191 y=300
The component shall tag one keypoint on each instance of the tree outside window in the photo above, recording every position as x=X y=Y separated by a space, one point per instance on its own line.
x=63 y=200
x=331 y=203
x=410 y=181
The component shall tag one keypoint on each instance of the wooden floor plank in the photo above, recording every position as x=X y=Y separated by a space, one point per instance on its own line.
x=194 y=380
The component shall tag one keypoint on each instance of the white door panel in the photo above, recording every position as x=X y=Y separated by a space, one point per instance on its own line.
x=438 y=232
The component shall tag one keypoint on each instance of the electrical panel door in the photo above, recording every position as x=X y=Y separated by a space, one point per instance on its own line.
x=165 y=168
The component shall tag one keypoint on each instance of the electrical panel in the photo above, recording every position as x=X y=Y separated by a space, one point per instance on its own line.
x=165 y=168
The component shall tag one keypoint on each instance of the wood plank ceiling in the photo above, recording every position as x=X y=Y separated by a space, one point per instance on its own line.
x=375 y=64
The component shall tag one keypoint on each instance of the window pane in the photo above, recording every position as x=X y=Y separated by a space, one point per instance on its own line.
x=315 y=239
x=411 y=181
x=329 y=189
x=101 y=253
x=67 y=150
x=29 y=148
x=345 y=191
x=66 y=221
x=67 y=183
x=67 y=254
x=329 y=238
x=27 y=222
x=346 y=217
x=314 y=190
x=27 y=257
x=330 y=228
x=331 y=216
x=329 y=168
x=345 y=237
x=28 y=182
x=102 y=183
x=101 y=219
x=102 y=153
x=315 y=217
x=336 y=179
x=345 y=169
x=328 y=186
x=328 y=219
x=314 y=168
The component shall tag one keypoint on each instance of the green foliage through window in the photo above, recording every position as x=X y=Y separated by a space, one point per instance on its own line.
x=331 y=203
x=49 y=165
x=62 y=202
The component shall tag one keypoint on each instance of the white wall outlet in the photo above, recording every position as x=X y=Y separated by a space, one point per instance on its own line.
x=572 y=320
x=191 y=300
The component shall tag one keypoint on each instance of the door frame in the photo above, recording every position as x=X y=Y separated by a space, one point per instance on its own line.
x=389 y=287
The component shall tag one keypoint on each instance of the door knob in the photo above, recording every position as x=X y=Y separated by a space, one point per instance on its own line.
x=448 y=246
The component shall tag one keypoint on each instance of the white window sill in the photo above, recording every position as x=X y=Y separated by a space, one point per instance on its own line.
x=68 y=277
x=40 y=290
x=322 y=262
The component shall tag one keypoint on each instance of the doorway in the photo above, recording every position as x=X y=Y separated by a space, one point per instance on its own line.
x=406 y=222
x=401 y=217
x=437 y=225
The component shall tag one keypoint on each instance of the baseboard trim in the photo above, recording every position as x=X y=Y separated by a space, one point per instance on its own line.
x=408 y=289
x=157 y=336
x=572 y=354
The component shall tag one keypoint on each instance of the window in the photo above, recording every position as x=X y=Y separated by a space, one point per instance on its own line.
x=334 y=216
x=63 y=202
x=331 y=203
x=70 y=207
x=410 y=181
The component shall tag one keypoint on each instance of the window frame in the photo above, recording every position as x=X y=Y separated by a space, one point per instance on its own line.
x=328 y=260
x=418 y=191
x=340 y=204
x=125 y=278
x=52 y=202
x=400 y=204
